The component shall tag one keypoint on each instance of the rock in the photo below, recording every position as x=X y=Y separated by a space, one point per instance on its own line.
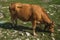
x=21 y=33
x=5 y=37
x=52 y=14
x=48 y=12
x=51 y=5
x=15 y=31
x=17 y=39
x=4 y=0
x=38 y=39
x=27 y=39
x=24 y=23
x=5 y=7
x=53 y=38
x=1 y=15
x=58 y=29
x=57 y=5
x=27 y=33
x=43 y=34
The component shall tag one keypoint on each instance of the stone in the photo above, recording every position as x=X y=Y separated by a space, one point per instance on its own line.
x=27 y=33
x=1 y=15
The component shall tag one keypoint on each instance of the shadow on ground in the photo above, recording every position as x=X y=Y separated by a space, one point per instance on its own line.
x=8 y=25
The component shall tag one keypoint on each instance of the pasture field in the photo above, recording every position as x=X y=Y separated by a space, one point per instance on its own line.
x=23 y=31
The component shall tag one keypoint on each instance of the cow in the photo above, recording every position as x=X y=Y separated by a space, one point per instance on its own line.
x=29 y=12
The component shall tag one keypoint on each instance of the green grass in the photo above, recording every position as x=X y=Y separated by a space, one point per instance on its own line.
x=9 y=33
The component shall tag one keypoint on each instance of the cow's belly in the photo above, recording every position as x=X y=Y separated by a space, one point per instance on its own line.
x=22 y=18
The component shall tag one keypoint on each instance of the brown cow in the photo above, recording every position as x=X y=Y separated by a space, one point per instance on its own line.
x=33 y=13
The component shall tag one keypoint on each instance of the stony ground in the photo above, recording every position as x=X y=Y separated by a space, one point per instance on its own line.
x=7 y=32
x=23 y=31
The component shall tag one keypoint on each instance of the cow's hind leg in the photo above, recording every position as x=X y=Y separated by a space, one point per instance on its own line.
x=34 y=27
x=13 y=21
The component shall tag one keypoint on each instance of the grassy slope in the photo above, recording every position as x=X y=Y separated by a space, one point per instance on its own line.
x=9 y=33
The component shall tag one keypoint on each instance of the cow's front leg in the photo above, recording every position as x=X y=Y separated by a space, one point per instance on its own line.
x=34 y=27
x=51 y=29
x=46 y=27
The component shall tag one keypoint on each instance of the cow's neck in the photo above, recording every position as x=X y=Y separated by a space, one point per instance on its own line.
x=46 y=19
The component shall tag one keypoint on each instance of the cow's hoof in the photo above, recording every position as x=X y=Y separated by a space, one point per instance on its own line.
x=35 y=35
x=52 y=34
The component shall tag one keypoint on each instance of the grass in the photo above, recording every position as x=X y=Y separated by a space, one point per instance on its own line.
x=7 y=32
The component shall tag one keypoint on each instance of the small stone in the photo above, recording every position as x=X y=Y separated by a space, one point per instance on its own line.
x=27 y=39
x=27 y=33
x=51 y=5
x=43 y=34
x=38 y=39
x=5 y=37
x=58 y=29
x=52 y=34
x=1 y=15
x=7 y=33
x=17 y=39
x=21 y=33
x=53 y=38
x=15 y=31
x=0 y=33
x=52 y=14
x=48 y=12
x=24 y=23
x=12 y=35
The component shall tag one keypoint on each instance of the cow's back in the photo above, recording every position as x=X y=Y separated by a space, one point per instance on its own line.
x=26 y=12
x=22 y=11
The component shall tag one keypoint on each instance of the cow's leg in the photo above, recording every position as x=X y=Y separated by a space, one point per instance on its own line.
x=34 y=27
x=15 y=22
x=12 y=21
x=46 y=27
x=51 y=29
